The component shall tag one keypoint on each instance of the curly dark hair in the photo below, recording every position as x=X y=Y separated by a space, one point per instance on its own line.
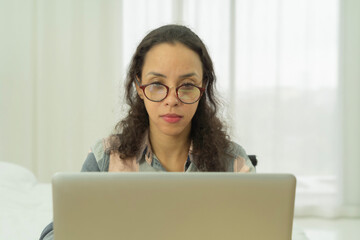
x=210 y=140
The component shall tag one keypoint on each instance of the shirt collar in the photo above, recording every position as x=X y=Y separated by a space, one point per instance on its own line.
x=146 y=150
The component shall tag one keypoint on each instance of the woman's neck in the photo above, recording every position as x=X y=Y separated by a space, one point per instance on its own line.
x=172 y=151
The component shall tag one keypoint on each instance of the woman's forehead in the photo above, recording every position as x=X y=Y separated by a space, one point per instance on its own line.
x=169 y=60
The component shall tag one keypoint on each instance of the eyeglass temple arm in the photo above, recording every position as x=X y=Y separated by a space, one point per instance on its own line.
x=137 y=82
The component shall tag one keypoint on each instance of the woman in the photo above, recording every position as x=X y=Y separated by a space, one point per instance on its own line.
x=172 y=123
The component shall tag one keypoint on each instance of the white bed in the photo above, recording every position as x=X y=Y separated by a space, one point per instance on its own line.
x=26 y=204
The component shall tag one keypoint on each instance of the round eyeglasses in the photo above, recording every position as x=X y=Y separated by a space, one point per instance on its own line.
x=187 y=93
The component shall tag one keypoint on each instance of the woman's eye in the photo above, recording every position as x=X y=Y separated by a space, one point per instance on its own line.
x=156 y=86
x=187 y=85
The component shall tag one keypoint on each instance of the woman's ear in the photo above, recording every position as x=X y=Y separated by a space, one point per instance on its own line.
x=138 y=89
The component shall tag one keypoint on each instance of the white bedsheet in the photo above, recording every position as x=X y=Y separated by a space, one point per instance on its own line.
x=26 y=205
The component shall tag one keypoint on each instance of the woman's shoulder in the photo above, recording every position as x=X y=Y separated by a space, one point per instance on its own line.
x=239 y=160
x=97 y=159
x=236 y=149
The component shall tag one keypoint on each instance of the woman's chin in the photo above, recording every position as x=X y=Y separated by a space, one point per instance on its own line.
x=175 y=131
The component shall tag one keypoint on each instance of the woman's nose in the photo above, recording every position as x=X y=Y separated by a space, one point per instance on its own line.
x=171 y=98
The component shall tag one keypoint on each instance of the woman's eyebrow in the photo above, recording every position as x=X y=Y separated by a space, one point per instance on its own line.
x=188 y=75
x=156 y=74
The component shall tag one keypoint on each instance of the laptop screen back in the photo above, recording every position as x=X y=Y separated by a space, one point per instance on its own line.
x=178 y=206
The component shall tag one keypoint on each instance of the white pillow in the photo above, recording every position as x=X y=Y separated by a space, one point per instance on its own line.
x=15 y=174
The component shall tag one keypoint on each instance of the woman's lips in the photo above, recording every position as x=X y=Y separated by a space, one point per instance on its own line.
x=171 y=118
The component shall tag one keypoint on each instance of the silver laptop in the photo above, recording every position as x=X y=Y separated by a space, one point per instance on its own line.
x=173 y=206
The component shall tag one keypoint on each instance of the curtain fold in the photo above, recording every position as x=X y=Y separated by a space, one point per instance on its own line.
x=350 y=105
x=289 y=93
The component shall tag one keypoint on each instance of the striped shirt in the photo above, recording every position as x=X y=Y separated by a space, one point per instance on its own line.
x=146 y=161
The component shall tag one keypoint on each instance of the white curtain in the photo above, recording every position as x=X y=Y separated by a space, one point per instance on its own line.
x=281 y=75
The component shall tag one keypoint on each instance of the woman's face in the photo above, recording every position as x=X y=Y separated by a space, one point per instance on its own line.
x=172 y=65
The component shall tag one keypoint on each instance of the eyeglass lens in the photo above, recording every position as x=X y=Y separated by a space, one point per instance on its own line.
x=186 y=93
